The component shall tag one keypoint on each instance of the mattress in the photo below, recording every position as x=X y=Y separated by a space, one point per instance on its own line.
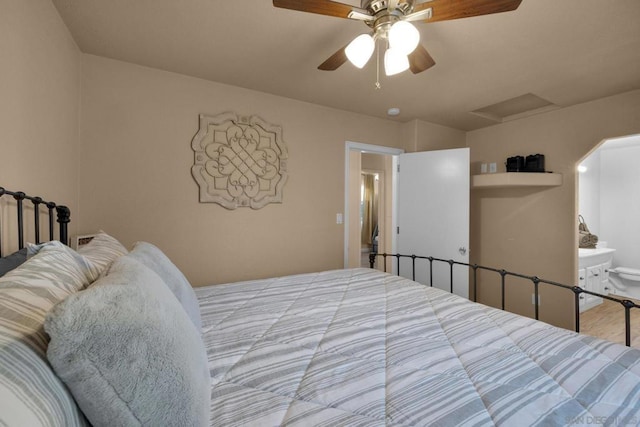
x=361 y=347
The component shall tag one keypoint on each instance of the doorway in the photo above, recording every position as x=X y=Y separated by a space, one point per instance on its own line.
x=372 y=206
x=367 y=158
x=608 y=184
x=426 y=206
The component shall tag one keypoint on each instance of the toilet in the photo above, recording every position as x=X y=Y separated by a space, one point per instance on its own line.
x=626 y=281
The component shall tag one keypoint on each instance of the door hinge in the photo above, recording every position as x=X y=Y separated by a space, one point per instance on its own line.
x=398 y=230
x=398 y=167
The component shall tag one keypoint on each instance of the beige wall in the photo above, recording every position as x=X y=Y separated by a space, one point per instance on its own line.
x=533 y=231
x=373 y=162
x=136 y=182
x=39 y=109
x=418 y=135
x=134 y=179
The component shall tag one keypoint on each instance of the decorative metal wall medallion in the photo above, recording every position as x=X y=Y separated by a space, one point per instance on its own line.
x=239 y=161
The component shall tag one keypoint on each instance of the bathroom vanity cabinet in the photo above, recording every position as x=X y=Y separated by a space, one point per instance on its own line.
x=593 y=274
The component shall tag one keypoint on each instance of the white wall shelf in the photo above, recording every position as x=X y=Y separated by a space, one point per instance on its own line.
x=516 y=179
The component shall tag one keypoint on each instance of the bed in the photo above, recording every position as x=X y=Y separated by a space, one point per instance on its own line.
x=109 y=335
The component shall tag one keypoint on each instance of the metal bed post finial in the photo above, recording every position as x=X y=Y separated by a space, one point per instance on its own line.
x=413 y=267
x=51 y=206
x=20 y=196
x=503 y=273
x=536 y=295
x=577 y=290
x=475 y=282
x=36 y=217
x=64 y=217
x=628 y=305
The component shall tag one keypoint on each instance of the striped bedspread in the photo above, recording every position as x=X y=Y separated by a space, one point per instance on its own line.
x=363 y=348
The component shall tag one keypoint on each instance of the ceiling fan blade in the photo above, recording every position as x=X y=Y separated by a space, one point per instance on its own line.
x=422 y=15
x=420 y=60
x=444 y=10
x=325 y=7
x=334 y=61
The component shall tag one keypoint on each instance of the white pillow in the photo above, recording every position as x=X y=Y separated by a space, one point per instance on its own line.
x=31 y=394
x=101 y=251
x=53 y=264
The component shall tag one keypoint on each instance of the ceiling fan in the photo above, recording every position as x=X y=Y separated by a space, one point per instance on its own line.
x=390 y=21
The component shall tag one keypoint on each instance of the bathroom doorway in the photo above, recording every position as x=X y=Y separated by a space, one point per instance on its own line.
x=608 y=185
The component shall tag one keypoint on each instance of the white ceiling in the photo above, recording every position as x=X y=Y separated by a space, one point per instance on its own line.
x=564 y=51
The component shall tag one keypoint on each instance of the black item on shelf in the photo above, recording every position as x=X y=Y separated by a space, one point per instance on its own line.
x=534 y=163
x=515 y=164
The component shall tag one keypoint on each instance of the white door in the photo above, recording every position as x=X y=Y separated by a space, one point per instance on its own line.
x=433 y=215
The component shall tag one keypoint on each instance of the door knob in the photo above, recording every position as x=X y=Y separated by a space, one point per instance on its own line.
x=462 y=250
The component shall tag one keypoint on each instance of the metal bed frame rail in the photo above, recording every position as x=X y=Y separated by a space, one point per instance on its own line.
x=577 y=290
x=63 y=217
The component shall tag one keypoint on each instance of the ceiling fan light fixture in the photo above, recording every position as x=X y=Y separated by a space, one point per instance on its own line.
x=395 y=62
x=404 y=37
x=360 y=50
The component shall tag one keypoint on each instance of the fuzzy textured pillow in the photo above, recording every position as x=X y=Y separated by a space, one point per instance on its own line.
x=129 y=353
x=156 y=260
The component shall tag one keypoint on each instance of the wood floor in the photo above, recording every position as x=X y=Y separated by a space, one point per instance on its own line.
x=607 y=321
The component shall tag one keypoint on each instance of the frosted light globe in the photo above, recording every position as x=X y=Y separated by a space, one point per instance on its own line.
x=360 y=50
x=395 y=62
x=404 y=37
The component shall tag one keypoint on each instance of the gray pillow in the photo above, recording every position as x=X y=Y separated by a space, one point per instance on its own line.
x=12 y=261
x=156 y=260
x=129 y=353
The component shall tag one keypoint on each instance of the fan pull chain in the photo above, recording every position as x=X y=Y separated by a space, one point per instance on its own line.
x=377 y=65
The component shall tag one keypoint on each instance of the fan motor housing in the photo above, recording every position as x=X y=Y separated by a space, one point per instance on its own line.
x=383 y=18
x=376 y=6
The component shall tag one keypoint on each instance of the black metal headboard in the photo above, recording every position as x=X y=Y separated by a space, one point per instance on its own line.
x=62 y=217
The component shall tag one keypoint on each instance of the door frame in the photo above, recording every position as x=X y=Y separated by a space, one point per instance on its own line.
x=362 y=148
